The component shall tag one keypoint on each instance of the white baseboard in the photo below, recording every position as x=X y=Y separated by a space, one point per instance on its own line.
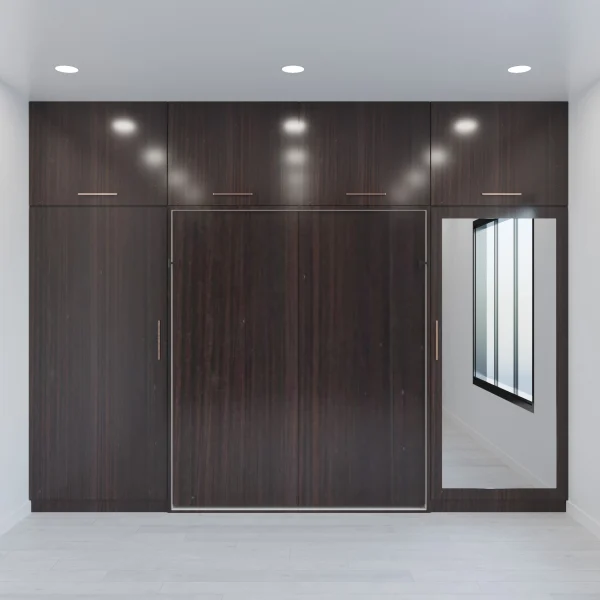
x=579 y=515
x=10 y=519
x=508 y=460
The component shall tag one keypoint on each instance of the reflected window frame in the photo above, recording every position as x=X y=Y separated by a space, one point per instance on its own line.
x=495 y=388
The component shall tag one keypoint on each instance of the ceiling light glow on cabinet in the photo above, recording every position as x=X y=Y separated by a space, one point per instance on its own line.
x=466 y=126
x=294 y=126
x=177 y=177
x=194 y=194
x=436 y=156
x=439 y=156
x=124 y=126
x=519 y=69
x=295 y=156
x=416 y=178
x=66 y=69
x=155 y=157
x=292 y=69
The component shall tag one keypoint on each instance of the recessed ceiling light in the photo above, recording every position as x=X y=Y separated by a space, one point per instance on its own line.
x=292 y=69
x=466 y=126
x=66 y=69
x=124 y=126
x=519 y=69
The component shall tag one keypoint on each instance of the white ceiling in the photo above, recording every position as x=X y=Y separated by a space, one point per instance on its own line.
x=351 y=49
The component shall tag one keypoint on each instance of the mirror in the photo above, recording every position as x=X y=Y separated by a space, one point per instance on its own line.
x=498 y=351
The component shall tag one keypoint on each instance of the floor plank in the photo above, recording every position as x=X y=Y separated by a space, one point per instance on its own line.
x=300 y=557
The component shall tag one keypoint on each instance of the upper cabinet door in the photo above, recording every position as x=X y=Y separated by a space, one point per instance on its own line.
x=98 y=153
x=233 y=153
x=499 y=153
x=364 y=153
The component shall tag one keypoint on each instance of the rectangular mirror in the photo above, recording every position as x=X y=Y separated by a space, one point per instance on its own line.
x=499 y=353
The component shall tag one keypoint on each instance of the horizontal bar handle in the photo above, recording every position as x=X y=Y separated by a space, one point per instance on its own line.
x=233 y=194
x=501 y=194
x=96 y=193
x=366 y=194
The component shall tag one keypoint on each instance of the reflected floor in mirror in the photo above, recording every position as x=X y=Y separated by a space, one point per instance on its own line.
x=468 y=463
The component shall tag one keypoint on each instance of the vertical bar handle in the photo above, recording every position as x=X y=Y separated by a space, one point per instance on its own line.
x=158 y=339
x=437 y=337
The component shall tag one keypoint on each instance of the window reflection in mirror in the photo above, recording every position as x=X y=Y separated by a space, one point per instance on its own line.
x=499 y=353
x=503 y=313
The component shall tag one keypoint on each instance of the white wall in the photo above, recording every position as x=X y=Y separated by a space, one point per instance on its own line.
x=526 y=439
x=14 y=308
x=584 y=306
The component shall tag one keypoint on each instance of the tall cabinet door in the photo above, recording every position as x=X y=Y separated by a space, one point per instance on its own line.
x=362 y=359
x=234 y=404
x=98 y=403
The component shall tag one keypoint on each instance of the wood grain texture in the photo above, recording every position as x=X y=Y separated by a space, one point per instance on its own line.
x=408 y=368
x=235 y=328
x=41 y=505
x=473 y=500
x=362 y=396
x=73 y=148
x=98 y=397
x=357 y=147
x=232 y=147
x=501 y=501
x=516 y=147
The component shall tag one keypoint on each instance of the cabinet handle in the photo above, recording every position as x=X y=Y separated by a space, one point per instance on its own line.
x=501 y=194
x=233 y=194
x=96 y=193
x=366 y=194
x=158 y=339
x=437 y=356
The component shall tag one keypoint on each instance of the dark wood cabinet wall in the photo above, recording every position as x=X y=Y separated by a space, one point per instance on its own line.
x=499 y=153
x=360 y=154
x=299 y=358
x=362 y=358
x=97 y=154
x=235 y=358
x=299 y=154
x=229 y=153
x=98 y=408
x=311 y=154
x=299 y=243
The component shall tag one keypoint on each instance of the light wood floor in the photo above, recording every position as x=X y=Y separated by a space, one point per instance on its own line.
x=300 y=557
